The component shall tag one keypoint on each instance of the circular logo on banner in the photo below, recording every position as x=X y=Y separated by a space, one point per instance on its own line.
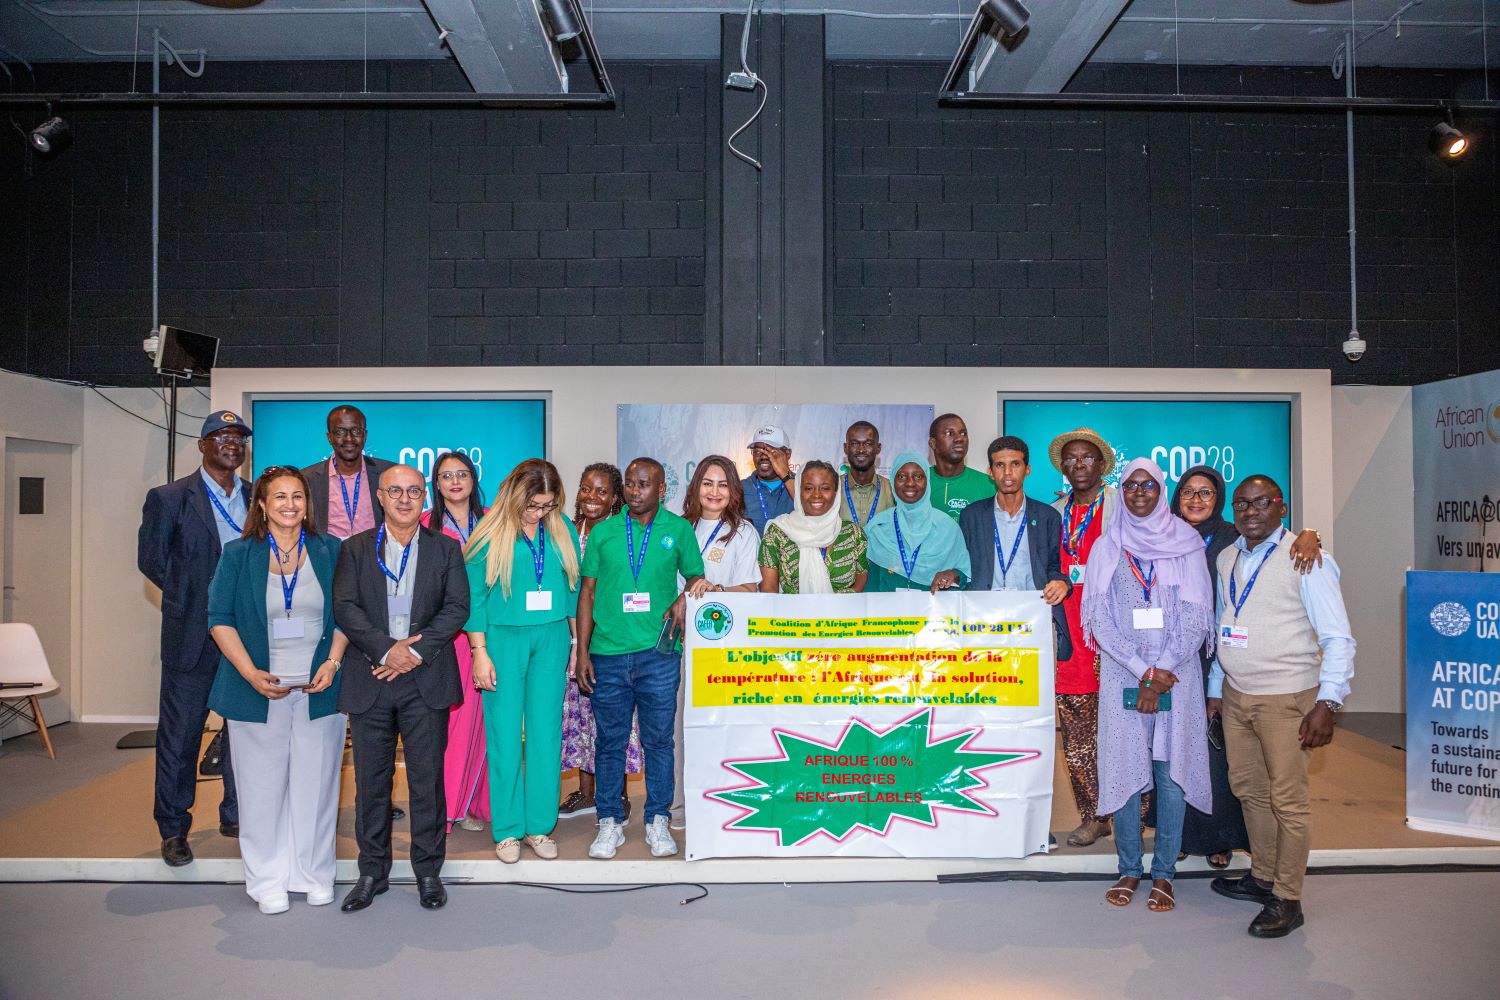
x=1493 y=423
x=1450 y=619
x=673 y=484
x=713 y=621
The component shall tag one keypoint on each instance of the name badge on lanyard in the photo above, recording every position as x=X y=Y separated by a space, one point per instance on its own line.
x=1075 y=574
x=538 y=599
x=1145 y=618
x=1234 y=636
x=397 y=605
x=287 y=627
x=637 y=602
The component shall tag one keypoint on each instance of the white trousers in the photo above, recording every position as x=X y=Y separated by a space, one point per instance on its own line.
x=288 y=780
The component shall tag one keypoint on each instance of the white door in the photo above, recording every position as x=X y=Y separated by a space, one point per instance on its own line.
x=39 y=558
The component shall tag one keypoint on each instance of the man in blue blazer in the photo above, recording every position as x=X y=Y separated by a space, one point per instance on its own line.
x=994 y=534
x=184 y=526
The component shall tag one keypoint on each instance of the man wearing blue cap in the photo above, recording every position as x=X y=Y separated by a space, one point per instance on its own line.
x=184 y=526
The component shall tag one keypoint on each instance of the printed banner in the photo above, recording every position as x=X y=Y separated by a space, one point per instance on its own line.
x=1455 y=439
x=1453 y=703
x=904 y=725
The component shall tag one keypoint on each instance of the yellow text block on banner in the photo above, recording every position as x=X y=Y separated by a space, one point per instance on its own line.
x=725 y=677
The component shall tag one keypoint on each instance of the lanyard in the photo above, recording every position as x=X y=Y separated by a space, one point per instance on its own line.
x=222 y=512
x=1006 y=564
x=288 y=589
x=1145 y=579
x=463 y=535
x=874 y=505
x=760 y=494
x=1239 y=602
x=1073 y=541
x=711 y=536
x=350 y=508
x=637 y=562
x=380 y=557
x=538 y=552
x=1207 y=541
x=909 y=567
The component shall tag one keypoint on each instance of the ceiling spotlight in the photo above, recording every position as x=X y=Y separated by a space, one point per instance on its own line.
x=1447 y=141
x=561 y=20
x=1011 y=15
x=51 y=138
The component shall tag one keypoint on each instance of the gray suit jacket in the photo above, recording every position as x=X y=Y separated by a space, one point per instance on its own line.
x=317 y=486
x=1043 y=542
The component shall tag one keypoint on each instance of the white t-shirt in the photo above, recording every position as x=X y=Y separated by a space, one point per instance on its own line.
x=732 y=562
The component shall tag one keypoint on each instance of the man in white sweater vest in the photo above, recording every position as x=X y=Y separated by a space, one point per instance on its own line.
x=1285 y=658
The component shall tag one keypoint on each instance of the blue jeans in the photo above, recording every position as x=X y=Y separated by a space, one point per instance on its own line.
x=643 y=684
x=1171 y=806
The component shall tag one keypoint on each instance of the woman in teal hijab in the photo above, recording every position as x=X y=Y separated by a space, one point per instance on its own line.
x=913 y=546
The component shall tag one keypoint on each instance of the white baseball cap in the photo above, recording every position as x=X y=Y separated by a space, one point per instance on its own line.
x=771 y=435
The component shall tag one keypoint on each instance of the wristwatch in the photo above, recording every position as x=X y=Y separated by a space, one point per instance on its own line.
x=1333 y=706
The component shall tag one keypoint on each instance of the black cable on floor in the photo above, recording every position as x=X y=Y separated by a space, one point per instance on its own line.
x=702 y=889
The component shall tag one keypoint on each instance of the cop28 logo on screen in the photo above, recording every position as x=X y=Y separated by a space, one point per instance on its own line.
x=1468 y=427
x=1451 y=619
x=425 y=458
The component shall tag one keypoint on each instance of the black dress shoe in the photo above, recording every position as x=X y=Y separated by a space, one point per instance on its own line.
x=229 y=830
x=431 y=892
x=363 y=894
x=176 y=852
x=397 y=813
x=1247 y=886
x=1278 y=918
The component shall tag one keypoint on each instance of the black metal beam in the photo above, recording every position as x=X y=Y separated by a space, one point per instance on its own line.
x=601 y=101
x=970 y=99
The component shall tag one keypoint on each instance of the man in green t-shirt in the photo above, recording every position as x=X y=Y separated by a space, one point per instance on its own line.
x=954 y=484
x=626 y=663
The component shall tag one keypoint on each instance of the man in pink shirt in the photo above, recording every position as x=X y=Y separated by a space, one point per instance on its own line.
x=343 y=485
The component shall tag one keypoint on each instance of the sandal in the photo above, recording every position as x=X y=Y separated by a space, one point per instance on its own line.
x=1219 y=861
x=1121 y=894
x=1161 y=900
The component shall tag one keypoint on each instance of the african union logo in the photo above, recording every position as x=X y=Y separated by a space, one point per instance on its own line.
x=713 y=621
x=1450 y=619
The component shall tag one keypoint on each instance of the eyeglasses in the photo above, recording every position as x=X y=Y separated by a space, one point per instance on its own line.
x=226 y=437
x=1259 y=503
x=1132 y=486
x=339 y=433
x=1207 y=493
x=1087 y=461
x=410 y=492
x=540 y=508
x=455 y=476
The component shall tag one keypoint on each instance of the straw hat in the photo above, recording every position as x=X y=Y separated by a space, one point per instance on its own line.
x=1054 y=452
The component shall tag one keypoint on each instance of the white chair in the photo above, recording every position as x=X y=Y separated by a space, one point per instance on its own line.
x=24 y=677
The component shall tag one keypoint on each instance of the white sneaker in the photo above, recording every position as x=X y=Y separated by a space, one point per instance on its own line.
x=508 y=850
x=320 y=897
x=542 y=845
x=275 y=903
x=608 y=840
x=659 y=838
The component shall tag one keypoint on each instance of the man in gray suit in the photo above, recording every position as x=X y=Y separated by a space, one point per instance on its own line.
x=342 y=487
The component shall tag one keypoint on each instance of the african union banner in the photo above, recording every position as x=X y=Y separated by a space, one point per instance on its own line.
x=906 y=725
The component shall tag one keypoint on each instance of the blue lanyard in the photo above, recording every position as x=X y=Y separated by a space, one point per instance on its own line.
x=380 y=556
x=1207 y=541
x=637 y=563
x=463 y=535
x=711 y=536
x=288 y=589
x=760 y=494
x=222 y=512
x=538 y=552
x=1145 y=579
x=909 y=567
x=1006 y=564
x=849 y=499
x=1239 y=602
x=350 y=508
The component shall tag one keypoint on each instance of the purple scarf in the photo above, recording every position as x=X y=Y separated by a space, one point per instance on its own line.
x=1161 y=537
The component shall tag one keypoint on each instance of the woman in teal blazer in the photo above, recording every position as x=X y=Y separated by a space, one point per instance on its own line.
x=270 y=609
x=523 y=561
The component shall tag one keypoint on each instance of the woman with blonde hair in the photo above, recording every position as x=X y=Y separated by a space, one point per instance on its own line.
x=522 y=560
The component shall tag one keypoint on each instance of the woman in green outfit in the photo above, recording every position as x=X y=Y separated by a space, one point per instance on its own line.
x=522 y=561
x=913 y=545
x=812 y=550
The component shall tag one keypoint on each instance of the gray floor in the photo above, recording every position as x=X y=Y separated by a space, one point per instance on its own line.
x=1369 y=937
x=85 y=751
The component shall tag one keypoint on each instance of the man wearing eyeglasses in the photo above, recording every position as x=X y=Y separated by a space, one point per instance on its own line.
x=343 y=485
x=1285 y=657
x=400 y=594
x=184 y=526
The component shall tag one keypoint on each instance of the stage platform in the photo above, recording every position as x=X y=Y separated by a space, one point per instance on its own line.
x=87 y=817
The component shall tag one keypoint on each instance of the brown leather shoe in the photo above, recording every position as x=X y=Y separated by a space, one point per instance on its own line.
x=1088 y=832
x=1278 y=918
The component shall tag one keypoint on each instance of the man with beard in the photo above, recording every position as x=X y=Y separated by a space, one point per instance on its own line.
x=863 y=492
x=766 y=493
x=954 y=484
x=343 y=485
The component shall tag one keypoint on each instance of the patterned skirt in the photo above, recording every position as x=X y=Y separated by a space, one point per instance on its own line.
x=578 y=734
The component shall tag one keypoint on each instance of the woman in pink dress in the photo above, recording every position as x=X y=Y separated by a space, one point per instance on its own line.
x=457 y=506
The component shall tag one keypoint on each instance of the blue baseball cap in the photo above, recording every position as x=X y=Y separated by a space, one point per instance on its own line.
x=220 y=419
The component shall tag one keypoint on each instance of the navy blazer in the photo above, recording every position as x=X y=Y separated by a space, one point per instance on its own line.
x=439 y=609
x=1044 y=542
x=237 y=598
x=178 y=550
x=317 y=489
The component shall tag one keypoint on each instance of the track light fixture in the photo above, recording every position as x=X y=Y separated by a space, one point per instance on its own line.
x=561 y=20
x=52 y=137
x=1010 y=15
x=1446 y=140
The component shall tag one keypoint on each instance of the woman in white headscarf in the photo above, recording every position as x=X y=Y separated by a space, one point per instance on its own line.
x=812 y=550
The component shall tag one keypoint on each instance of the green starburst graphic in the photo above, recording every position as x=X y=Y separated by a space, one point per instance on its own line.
x=866 y=780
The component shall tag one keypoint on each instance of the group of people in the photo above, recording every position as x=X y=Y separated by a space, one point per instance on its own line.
x=504 y=644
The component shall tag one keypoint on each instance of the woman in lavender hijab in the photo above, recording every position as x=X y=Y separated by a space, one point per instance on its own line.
x=1148 y=621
